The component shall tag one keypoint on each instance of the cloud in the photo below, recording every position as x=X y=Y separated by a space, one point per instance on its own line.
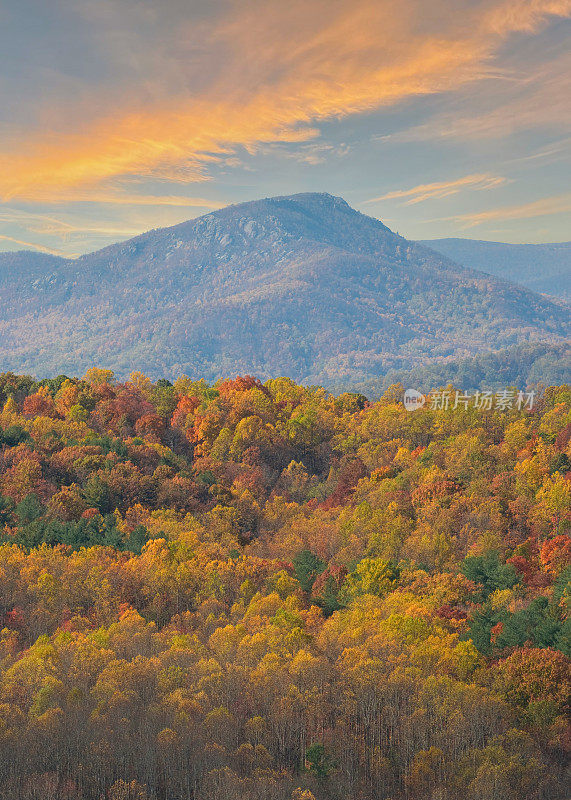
x=552 y=152
x=130 y=199
x=49 y=250
x=523 y=15
x=438 y=190
x=52 y=226
x=558 y=204
x=311 y=154
x=278 y=70
x=127 y=199
x=537 y=98
x=66 y=231
x=77 y=227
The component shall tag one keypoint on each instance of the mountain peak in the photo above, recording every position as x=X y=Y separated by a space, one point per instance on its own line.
x=314 y=200
x=300 y=285
x=308 y=200
x=317 y=205
x=315 y=217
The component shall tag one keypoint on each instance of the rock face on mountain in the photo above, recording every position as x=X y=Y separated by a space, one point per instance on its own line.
x=543 y=268
x=303 y=286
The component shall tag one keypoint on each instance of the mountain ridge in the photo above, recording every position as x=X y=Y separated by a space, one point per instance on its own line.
x=544 y=268
x=303 y=285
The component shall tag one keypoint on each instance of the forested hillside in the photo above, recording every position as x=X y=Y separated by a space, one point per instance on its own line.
x=263 y=591
x=521 y=365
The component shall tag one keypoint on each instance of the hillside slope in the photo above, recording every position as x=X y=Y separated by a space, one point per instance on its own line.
x=303 y=286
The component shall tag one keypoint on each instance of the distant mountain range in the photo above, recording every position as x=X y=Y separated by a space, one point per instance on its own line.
x=543 y=268
x=303 y=286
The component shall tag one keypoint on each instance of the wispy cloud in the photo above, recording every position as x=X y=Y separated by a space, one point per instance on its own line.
x=64 y=230
x=553 y=152
x=312 y=153
x=559 y=204
x=79 y=226
x=42 y=248
x=440 y=189
x=130 y=199
x=535 y=98
x=283 y=69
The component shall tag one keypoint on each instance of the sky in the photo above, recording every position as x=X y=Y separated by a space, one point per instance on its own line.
x=439 y=117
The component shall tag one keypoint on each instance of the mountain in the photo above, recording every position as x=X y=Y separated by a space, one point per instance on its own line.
x=303 y=286
x=543 y=268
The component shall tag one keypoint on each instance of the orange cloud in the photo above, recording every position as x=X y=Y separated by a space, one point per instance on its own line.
x=50 y=251
x=286 y=67
x=560 y=204
x=129 y=199
x=523 y=15
x=514 y=108
x=139 y=213
x=438 y=190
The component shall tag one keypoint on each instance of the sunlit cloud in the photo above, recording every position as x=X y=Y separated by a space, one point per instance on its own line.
x=47 y=225
x=535 y=100
x=48 y=250
x=66 y=231
x=523 y=15
x=177 y=201
x=286 y=69
x=560 y=204
x=438 y=190
x=312 y=153
x=77 y=228
x=554 y=151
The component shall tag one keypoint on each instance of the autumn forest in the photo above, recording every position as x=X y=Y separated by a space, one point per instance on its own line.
x=262 y=591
